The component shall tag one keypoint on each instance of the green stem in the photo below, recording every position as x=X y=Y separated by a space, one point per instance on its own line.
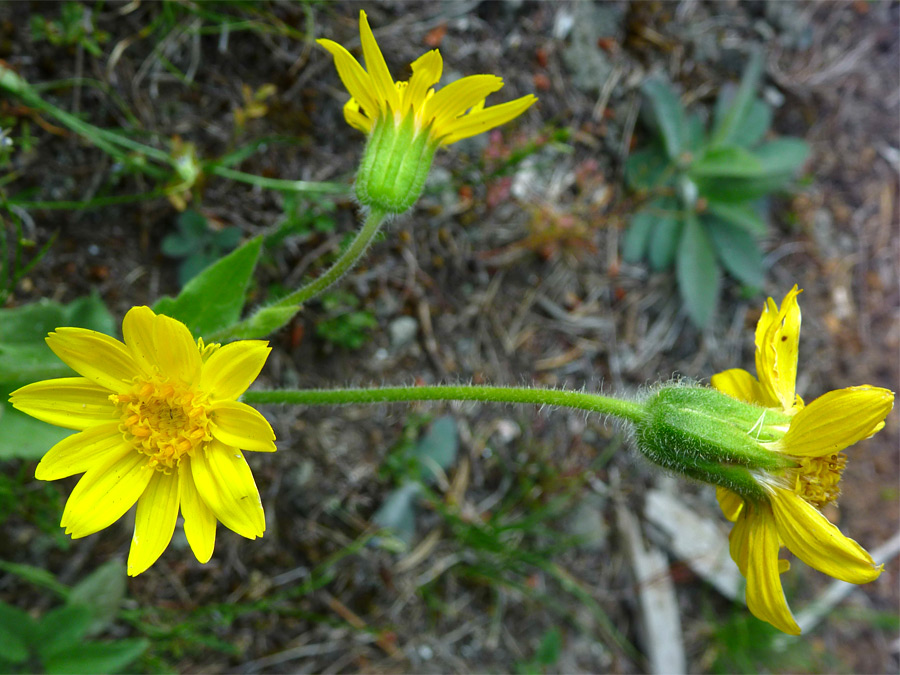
x=303 y=186
x=596 y=403
x=342 y=265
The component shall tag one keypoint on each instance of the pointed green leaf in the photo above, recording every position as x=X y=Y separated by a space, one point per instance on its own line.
x=637 y=238
x=37 y=576
x=16 y=633
x=664 y=242
x=92 y=658
x=646 y=169
x=698 y=273
x=744 y=216
x=755 y=125
x=725 y=127
x=61 y=629
x=782 y=156
x=737 y=250
x=667 y=115
x=101 y=592
x=437 y=448
x=24 y=437
x=213 y=300
x=729 y=160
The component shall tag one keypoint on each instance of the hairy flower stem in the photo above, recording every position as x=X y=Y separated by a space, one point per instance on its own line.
x=628 y=410
x=342 y=265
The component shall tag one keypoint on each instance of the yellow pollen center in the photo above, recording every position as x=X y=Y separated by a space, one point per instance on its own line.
x=818 y=478
x=163 y=420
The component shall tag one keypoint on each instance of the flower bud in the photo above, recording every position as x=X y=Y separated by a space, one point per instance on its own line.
x=706 y=435
x=395 y=165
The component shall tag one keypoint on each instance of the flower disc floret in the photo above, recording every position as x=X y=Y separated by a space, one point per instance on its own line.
x=163 y=420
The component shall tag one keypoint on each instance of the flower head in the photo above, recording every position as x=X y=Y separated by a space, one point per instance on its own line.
x=407 y=121
x=159 y=425
x=784 y=511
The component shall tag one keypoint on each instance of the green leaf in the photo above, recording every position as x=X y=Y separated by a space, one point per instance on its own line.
x=213 y=300
x=97 y=657
x=667 y=115
x=23 y=436
x=737 y=250
x=727 y=161
x=263 y=322
x=24 y=356
x=398 y=512
x=727 y=126
x=755 y=125
x=193 y=225
x=665 y=240
x=16 y=632
x=37 y=576
x=61 y=629
x=89 y=312
x=437 y=448
x=638 y=236
x=698 y=273
x=547 y=653
x=178 y=246
x=646 y=169
x=782 y=156
x=101 y=592
x=695 y=133
x=229 y=237
x=744 y=216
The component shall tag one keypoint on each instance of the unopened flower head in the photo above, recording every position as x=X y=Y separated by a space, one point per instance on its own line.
x=159 y=425
x=775 y=461
x=407 y=121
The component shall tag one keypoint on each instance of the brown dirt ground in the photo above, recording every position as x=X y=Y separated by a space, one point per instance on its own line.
x=494 y=302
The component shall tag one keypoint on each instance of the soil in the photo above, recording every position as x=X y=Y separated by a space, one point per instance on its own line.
x=512 y=275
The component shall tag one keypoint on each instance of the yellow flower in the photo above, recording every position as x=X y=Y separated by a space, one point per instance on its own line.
x=455 y=112
x=813 y=439
x=407 y=121
x=160 y=425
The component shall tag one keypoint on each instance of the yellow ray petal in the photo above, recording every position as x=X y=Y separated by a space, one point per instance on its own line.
x=154 y=522
x=106 y=492
x=376 y=65
x=226 y=485
x=356 y=118
x=199 y=520
x=426 y=71
x=478 y=122
x=818 y=543
x=837 y=420
x=730 y=503
x=355 y=79
x=231 y=369
x=740 y=384
x=457 y=97
x=96 y=356
x=137 y=330
x=237 y=424
x=777 y=347
x=176 y=350
x=79 y=452
x=737 y=541
x=70 y=402
x=765 y=596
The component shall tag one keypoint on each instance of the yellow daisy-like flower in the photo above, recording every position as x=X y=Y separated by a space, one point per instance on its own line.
x=159 y=425
x=813 y=440
x=455 y=112
x=407 y=121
